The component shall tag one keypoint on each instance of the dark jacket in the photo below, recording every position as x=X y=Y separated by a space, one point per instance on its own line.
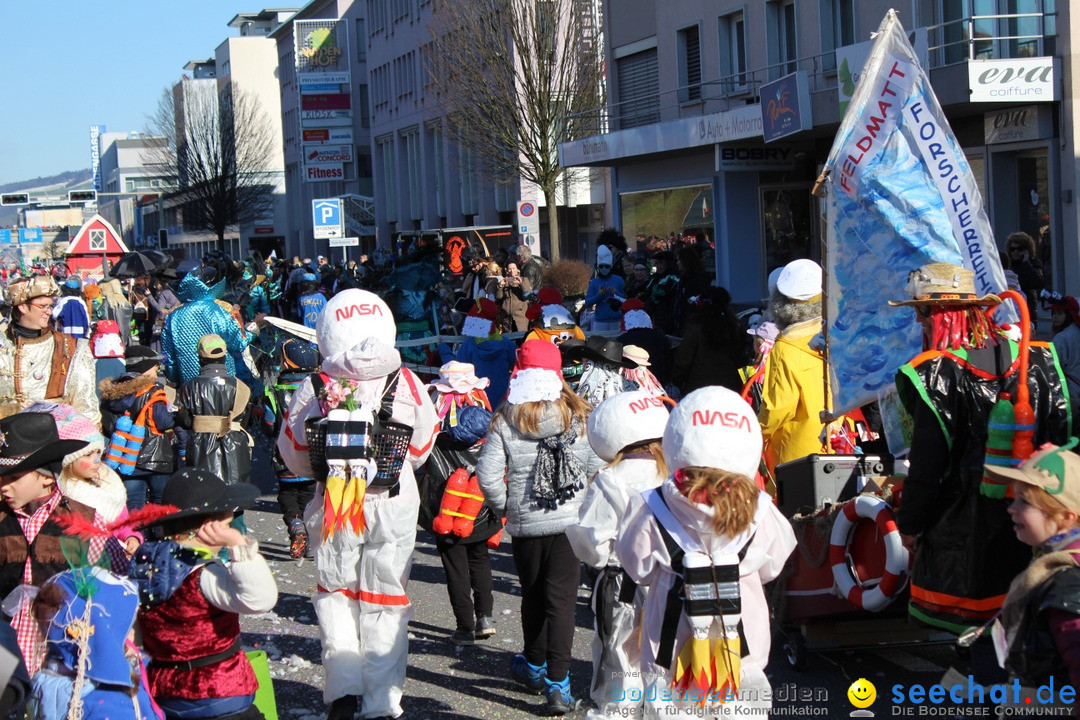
x=212 y=393
x=1036 y=657
x=130 y=395
x=967 y=552
x=46 y=554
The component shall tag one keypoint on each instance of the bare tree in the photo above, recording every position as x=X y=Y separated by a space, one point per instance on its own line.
x=219 y=146
x=509 y=74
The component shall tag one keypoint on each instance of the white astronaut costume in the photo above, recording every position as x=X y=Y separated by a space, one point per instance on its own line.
x=361 y=603
x=626 y=419
x=712 y=427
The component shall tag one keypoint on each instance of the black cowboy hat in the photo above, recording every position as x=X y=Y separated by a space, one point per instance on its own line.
x=29 y=441
x=200 y=494
x=600 y=349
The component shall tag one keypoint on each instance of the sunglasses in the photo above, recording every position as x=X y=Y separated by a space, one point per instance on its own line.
x=603 y=267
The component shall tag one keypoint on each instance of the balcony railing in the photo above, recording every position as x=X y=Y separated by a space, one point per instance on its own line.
x=956 y=41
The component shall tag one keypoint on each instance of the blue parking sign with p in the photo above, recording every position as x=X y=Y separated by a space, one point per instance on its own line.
x=326 y=216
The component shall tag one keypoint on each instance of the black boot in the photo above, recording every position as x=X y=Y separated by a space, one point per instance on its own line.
x=344 y=708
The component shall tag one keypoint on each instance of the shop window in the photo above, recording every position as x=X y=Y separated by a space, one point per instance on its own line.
x=654 y=216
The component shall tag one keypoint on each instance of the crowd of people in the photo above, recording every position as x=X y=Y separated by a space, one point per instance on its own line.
x=639 y=430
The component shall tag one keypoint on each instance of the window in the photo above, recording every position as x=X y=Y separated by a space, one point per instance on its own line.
x=638 y=81
x=365 y=112
x=361 y=40
x=689 y=64
x=783 y=58
x=440 y=181
x=376 y=11
x=97 y=240
x=837 y=28
x=412 y=155
x=400 y=9
x=389 y=181
x=380 y=80
x=468 y=180
x=732 y=29
x=405 y=74
x=788 y=34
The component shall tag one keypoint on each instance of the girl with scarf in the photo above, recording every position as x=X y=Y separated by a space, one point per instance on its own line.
x=537 y=443
x=1038 y=634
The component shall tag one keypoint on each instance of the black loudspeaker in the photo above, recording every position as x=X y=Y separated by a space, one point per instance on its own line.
x=812 y=482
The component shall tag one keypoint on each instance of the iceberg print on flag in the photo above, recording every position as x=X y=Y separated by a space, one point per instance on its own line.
x=899 y=194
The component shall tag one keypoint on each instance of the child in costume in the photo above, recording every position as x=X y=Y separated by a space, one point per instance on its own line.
x=143 y=396
x=87 y=617
x=84 y=477
x=636 y=370
x=709 y=534
x=365 y=521
x=602 y=370
x=34 y=546
x=463 y=525
x=550 y=321
x=311 y=302
x=485 y=348
x=533 y=468
x=296 y=359
x=1038 y=633
x=624 y=431
x=191 y=601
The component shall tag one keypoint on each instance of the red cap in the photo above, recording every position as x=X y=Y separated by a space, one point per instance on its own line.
x=539 y=354
x=632 y=304
x=484 y=308
x=549 y=296
x=1068 y=304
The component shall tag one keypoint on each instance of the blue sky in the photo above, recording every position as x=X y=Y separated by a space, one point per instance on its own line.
x=69 y=64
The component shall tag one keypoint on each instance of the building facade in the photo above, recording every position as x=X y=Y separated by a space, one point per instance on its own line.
x=682 y=131
x=128 y=170
x=326 y=136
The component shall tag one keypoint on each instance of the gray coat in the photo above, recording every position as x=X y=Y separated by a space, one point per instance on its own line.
x=511 y=454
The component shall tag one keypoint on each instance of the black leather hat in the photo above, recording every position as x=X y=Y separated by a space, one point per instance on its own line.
x=29 y=441
x=600 y=349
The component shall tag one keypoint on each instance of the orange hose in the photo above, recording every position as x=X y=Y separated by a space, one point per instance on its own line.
x=1023 y=440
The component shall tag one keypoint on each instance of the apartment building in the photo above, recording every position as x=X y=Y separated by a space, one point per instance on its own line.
x=682 y=131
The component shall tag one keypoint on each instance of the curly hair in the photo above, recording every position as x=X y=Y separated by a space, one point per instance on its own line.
x=787 y=312
x=733 y=497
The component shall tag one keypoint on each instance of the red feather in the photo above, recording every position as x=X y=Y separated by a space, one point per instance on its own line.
x=78 y=526
x=144 y=516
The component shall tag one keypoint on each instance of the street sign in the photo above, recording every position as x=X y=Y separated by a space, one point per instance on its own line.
x=29 y=235
x=527 y=220
x=5 y=236
x=345 y=242
x=327 y=218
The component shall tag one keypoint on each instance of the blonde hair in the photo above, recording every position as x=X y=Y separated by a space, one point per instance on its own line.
x=1042 y=500
x=653 y=447
x=732 y=496
x=526 y=416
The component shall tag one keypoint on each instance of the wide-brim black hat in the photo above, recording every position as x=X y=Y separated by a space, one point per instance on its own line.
x=606 y=350
x=29 y=441
x=200 y=493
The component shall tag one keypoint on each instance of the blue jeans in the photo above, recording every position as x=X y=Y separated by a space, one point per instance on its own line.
x=137 y=486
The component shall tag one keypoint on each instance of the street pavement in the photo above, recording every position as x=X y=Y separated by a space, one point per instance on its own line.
x=449 y=682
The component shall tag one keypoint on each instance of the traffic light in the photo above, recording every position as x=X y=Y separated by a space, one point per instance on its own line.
x=15 y=199
x=163 y=238
x=82 y=196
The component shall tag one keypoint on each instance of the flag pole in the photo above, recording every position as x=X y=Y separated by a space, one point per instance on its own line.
x=820 y=192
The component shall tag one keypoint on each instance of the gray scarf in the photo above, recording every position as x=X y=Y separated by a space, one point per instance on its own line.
x=557 y=472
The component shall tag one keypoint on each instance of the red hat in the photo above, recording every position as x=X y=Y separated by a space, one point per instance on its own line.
x=538 y=373
x=1068 y=304
x=481 y=318
x=544 y=296
x=634 y=315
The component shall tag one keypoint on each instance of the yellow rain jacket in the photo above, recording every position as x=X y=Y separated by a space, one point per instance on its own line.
x=793 y=396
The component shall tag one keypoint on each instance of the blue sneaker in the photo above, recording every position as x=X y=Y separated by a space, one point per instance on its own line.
x=559 y=699
x=530 y=676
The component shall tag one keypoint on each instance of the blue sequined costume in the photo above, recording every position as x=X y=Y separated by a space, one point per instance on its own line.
x=201 y=315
